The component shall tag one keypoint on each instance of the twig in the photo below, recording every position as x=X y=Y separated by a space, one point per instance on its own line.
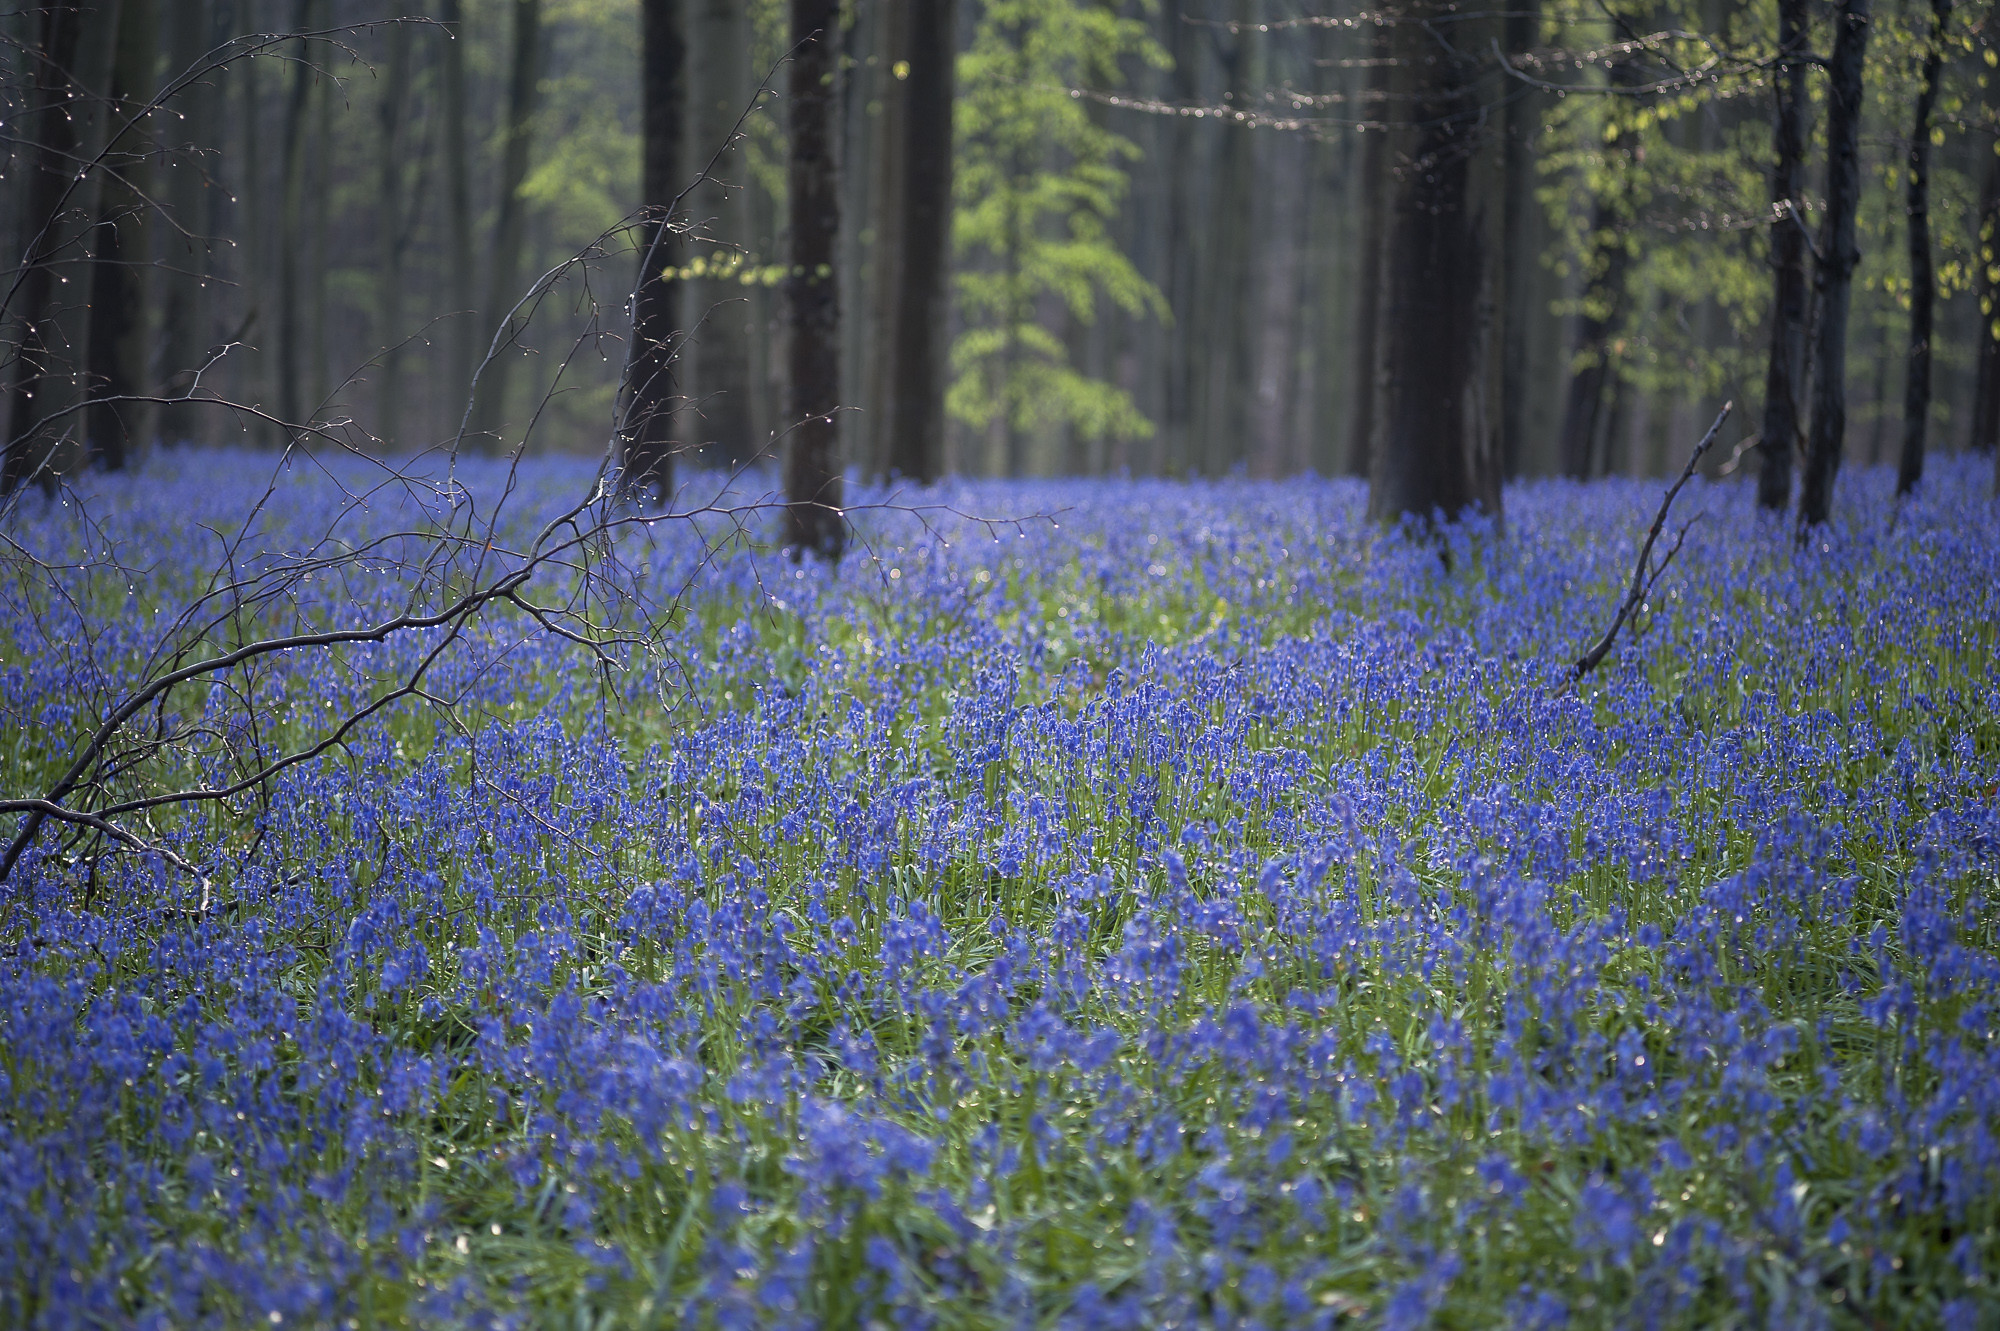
x=1643 y=576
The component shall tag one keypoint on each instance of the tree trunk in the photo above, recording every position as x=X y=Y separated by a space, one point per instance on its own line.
x=118 y=280
x=1435 y=455
x=1986 y=394
x=646 y=418
x=1784 y=376
x=64 y=121
x=489 y=409
x=1839 y=254
x=918 y=337
x=460 y=348
x=291 y=201
x=186 y=313
x=1608 y=257
x=812 y=464
x=1278 y=212
x=888 y=112
x=1375 y=185
x=716 y=365
x=390 y=237
x=1923 y=281
x=1517 y=255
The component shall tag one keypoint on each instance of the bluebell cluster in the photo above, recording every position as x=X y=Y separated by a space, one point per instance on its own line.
x=1190 y=906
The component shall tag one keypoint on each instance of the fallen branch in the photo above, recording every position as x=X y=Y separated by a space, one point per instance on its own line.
x=1643 y=574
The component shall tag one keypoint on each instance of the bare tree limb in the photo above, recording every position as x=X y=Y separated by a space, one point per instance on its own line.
x=1643 y=574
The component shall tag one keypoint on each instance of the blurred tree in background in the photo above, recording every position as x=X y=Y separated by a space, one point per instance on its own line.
x=1155 y=235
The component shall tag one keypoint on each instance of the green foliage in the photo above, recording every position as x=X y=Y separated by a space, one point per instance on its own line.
x=1036 y=181
x=1679 y=181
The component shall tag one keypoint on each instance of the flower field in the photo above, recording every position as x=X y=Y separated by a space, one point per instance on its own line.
x=1191 y=907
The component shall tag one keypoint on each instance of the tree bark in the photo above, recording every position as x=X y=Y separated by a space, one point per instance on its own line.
x=64 y=122
x=460 y=349
x=813 y=478
x=1923 y=281
x=119 y=274
x=186 y=313
x=918 y=337
x=1986 y=393
x=646 y=418
x=885 y=207
x=390 y=236
x=1839 y=254
x=1784 y=376
x=291 y=201
x=1375 y=186
x=1435 y=455
x=1517 y=256
x=1609 y=256
x=716 y=364
x=489 y=408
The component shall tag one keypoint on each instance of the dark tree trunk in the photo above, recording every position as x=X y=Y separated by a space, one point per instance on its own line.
x=1839 y=254
x=489 y=409
x=291 y=203
x=390 y=236
x=1986 y=394
x=63 y=123
x=1517 y=258
x=917 y=332
x=465 y=324
x=186 y=313
x=1784 y=376
x=812 y=465
x=1923 y=281
x=1585 y=410
x=888 y=113
x=647 y=416
x=716 y=362
x=1608 y=254
x=1375 y=185
x=1435 y=454
x=118 y=280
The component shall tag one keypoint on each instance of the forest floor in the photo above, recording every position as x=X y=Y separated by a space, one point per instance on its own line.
x=1192 y=907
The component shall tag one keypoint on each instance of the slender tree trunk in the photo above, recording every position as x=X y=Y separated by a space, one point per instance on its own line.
x=185 y=310
x=918 y=337
x=812 y=465
x=1604 y=307
x=1224 y=362
x=1375 y=186
x=1608 y=255
x=252 y=368
x=319 y=181
x=465 y=323
x=717 y=362
x=1784 y=376
x=489 y=411
x=64 y=122
x=647 y=415
x=292 y=175
x=118 y=281
x=1278 y=211
x=389 y=233
x=1834 y=273
x=1435 y=455
x=1986 y=393
x=1923 y=281
x=1517 y=256
x=886 y=209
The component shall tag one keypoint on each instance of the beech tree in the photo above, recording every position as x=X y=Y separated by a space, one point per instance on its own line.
x=813 y=482
x=646 y=414
x=1434 y=453
x=1833 y=273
